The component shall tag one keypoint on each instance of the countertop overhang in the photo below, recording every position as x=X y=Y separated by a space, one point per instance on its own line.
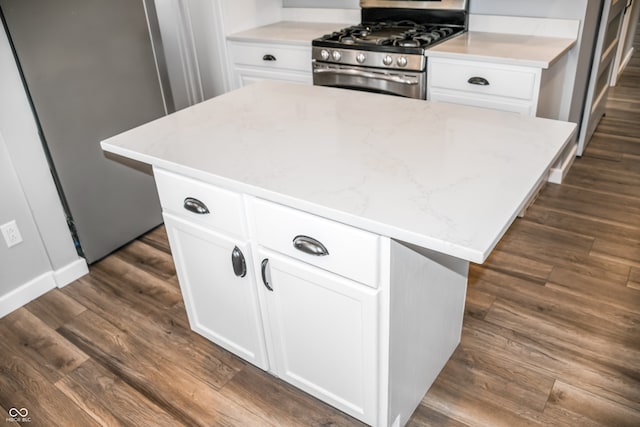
x=445 y=177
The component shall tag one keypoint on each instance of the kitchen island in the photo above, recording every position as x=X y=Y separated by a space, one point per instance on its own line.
x=324 y=235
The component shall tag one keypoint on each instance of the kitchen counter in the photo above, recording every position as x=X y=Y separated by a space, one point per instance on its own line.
x=286 y=32
x=504 y=48
x=440 y=176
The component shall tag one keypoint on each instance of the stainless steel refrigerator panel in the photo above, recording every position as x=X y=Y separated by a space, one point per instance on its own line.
x=91 y=73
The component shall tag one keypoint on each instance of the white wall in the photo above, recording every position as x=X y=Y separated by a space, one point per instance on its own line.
x=27 y=260
x=47 y=257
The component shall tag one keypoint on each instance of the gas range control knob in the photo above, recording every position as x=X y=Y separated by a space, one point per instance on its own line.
x=336 y=55
x=402 y=61
x=387 y=60
x=324 y=54
x=361 y=57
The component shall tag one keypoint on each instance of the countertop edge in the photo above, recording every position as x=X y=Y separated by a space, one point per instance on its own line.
x=435 y=245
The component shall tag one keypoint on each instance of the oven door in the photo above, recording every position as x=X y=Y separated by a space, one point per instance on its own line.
x=407 y=84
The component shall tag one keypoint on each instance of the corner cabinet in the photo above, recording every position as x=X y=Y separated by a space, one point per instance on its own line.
x=253 y=62
x=360 y=321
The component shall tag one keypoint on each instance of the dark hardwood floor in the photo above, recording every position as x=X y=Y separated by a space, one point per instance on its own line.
x=551 y=333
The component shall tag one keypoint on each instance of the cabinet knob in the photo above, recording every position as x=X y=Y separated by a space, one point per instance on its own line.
x=238 y=262
x=265 y=273
x=480 y=81
x=268 y=57
x=310 y=246
x=196 y=206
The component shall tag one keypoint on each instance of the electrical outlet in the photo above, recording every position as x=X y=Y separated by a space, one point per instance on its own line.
x=11 y=233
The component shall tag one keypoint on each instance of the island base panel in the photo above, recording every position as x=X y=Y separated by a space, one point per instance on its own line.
x=427 y=296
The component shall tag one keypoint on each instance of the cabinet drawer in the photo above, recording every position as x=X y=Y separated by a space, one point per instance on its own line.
x=225 y=209
x=352 y=253
x=502 y=80
x=271 y=56
x=524 y=107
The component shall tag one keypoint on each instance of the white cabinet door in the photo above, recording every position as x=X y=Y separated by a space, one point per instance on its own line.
x=324 y=334
x=221 y=305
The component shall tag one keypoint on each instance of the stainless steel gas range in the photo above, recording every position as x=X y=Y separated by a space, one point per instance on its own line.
x=387 y=51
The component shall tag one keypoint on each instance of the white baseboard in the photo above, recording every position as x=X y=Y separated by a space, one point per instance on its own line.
x=70 y=272
x=26 y=293
x=557 y=174
x=41 y=285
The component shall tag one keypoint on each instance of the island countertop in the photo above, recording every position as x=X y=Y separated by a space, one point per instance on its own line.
x=444 y=177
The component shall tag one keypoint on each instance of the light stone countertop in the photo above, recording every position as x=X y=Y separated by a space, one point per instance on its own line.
x=503 y=48
x=444 y=177
x=287 y=32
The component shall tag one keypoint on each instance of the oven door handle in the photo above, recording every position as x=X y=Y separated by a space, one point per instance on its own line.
x=367 y=74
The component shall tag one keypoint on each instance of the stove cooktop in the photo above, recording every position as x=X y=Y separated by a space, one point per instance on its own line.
x=401 y=37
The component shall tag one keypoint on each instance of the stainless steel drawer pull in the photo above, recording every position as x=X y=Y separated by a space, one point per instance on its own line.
x=238 y=262
x=195 y=206
x=268 y=57
x=480 y=81
x=263 y=271
x=310 y=246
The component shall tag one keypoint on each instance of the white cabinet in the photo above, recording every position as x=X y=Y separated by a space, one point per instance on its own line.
x=221 y=300
x=252 y=62
x=319 y=286
x=324 y=334
x=205 y=226
x=358 y=320
x=481 y=84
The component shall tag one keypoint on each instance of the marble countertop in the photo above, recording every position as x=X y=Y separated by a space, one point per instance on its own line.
x=502 y=48
x=286 y=32
x=445 y=177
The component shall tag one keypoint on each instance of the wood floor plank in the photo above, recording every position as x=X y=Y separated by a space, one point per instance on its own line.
x=555 y=304
x=506 y=344
x=55 y=308
x=622 y=250
x=581 y=223
x=518 y=383
x=634 y=278
x=143 y=368
x=519 y=265
x=168 y=330
x=473 y=407
x=425 y=416
x=600 y=291
x=49 y=353
x=544 y=244
x=565 y=335
x=157 y=238
x=280 y=404
x=607 y=207
x=110 y=401
x=149 y=258
x=22 y=386
x=589 y=406
x=477 y=303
